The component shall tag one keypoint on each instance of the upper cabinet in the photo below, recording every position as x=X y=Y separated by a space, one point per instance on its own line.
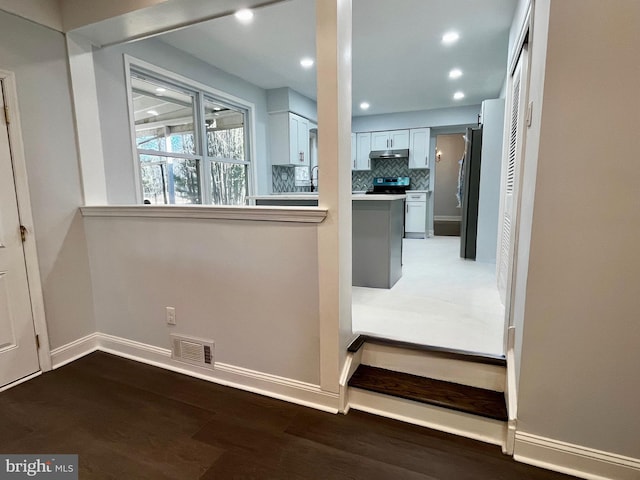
x=354 y=151
x=390 y=140
x=363 y=148
x=289 y=139
x=419 y=147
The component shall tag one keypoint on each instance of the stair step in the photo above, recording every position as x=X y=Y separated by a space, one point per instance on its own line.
x=444 y=352
x=463 y=398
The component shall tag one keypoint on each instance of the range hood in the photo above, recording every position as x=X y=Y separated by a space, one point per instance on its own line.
x=403 y=153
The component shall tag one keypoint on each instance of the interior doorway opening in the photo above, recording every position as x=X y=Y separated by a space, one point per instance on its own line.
x=444 y=300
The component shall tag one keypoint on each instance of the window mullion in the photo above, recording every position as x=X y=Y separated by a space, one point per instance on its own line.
x=205 y=168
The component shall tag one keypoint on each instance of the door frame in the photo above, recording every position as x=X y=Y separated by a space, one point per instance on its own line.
x=21 y=183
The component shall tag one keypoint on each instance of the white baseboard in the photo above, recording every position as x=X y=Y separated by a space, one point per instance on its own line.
x=350 y=366
x=450 y=421
x=74 y=350
x=574 y=460
x=447 y=218
x=282 y=388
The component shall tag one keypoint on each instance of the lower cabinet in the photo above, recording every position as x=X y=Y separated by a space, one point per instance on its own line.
x=415 y=222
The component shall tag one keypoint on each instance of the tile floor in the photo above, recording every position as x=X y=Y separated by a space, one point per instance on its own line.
x=440 y=300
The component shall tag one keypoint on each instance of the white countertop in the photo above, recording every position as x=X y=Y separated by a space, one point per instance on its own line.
x=314 y=196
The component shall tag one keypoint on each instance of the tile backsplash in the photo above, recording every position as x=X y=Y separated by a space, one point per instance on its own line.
x=284 y=176
x=284 y=179
x=386 y=167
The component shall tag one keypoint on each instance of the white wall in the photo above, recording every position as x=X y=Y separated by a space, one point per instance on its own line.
x=252 y=287
x=441 y=117
x=579 y=379
x=37 y=55
x=112 y=99
x=285 y=99
x=490 y=170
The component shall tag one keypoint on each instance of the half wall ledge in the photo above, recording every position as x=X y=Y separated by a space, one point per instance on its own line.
x=251 y=213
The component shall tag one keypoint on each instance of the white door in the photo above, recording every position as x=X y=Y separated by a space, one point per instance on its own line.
x=364 y=149
x=18 y=351
x=399 y=139
x=419 y=147
x=511 y=176
x=415 y=221
x=380 y=141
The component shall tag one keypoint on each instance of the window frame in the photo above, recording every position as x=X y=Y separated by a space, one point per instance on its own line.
x=202 y=93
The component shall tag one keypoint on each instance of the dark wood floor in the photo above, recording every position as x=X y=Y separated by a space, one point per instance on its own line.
x=127 y=420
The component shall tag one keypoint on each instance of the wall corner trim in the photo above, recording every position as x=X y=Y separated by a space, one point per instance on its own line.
x=573 y=459
x=258 y=213
x=267 y=384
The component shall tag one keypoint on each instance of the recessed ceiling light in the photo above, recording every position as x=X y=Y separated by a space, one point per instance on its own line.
x=364 y=105
x=217 y=109
x=244 y=16
x=152 y=112
x=161 y=90
x=458 y=96
x=450 y=38
x=307 y=62
x=455 y=73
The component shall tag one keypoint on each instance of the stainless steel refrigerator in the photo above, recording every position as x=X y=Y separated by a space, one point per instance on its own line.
x=470 y=192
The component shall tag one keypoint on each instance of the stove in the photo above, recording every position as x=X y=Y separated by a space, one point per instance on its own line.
x=389 y=185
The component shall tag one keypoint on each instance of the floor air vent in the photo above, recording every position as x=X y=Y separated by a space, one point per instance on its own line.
x=194 y=351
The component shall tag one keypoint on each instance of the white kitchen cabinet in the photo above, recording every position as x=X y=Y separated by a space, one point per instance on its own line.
x=289 y=139
x=419 y=147
x=390 y=140
x=363 y=162
x=354 y=151
x=415 y=223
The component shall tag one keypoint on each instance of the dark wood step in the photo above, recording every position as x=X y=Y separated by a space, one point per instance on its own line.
x=444 y=352
x=463 y=398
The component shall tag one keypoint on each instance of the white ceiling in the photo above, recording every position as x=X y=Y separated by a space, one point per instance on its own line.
x=399 y=62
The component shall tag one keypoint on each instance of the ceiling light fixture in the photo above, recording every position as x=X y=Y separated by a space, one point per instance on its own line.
x=458 y=96
x=307 y=62
x=217 y=109
x=153 y=112
x=161 y=90
x=455 y=73
x=364 y=106
x=450 y=38
x=244 y=16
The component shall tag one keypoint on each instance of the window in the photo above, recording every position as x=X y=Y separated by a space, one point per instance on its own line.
x=191 y=145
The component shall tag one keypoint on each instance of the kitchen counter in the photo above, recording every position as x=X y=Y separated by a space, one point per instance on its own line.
x=288 y=197
x=378 y=228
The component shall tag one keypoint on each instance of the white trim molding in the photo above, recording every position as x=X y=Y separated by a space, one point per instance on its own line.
x=290 y=390
x=265 y=214
x=19 y=163
x=463 y=424
x=74 y=350
x=573 y=459
x=447 y=218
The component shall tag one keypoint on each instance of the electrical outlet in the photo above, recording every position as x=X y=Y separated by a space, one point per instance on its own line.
x=171 y=316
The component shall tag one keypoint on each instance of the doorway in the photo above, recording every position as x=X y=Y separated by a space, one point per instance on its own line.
x=446 y=195
x=441 y=300
x=18 y=341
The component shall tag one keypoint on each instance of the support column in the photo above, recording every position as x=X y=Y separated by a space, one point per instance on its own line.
x=87 y=117
x=333 y=52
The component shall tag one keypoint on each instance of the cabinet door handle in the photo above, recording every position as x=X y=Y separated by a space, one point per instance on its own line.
x=391 y=142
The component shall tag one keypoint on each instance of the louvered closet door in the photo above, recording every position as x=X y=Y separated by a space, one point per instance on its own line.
x=511 y=174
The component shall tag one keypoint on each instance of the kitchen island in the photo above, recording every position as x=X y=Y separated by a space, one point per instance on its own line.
x=378 y=227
